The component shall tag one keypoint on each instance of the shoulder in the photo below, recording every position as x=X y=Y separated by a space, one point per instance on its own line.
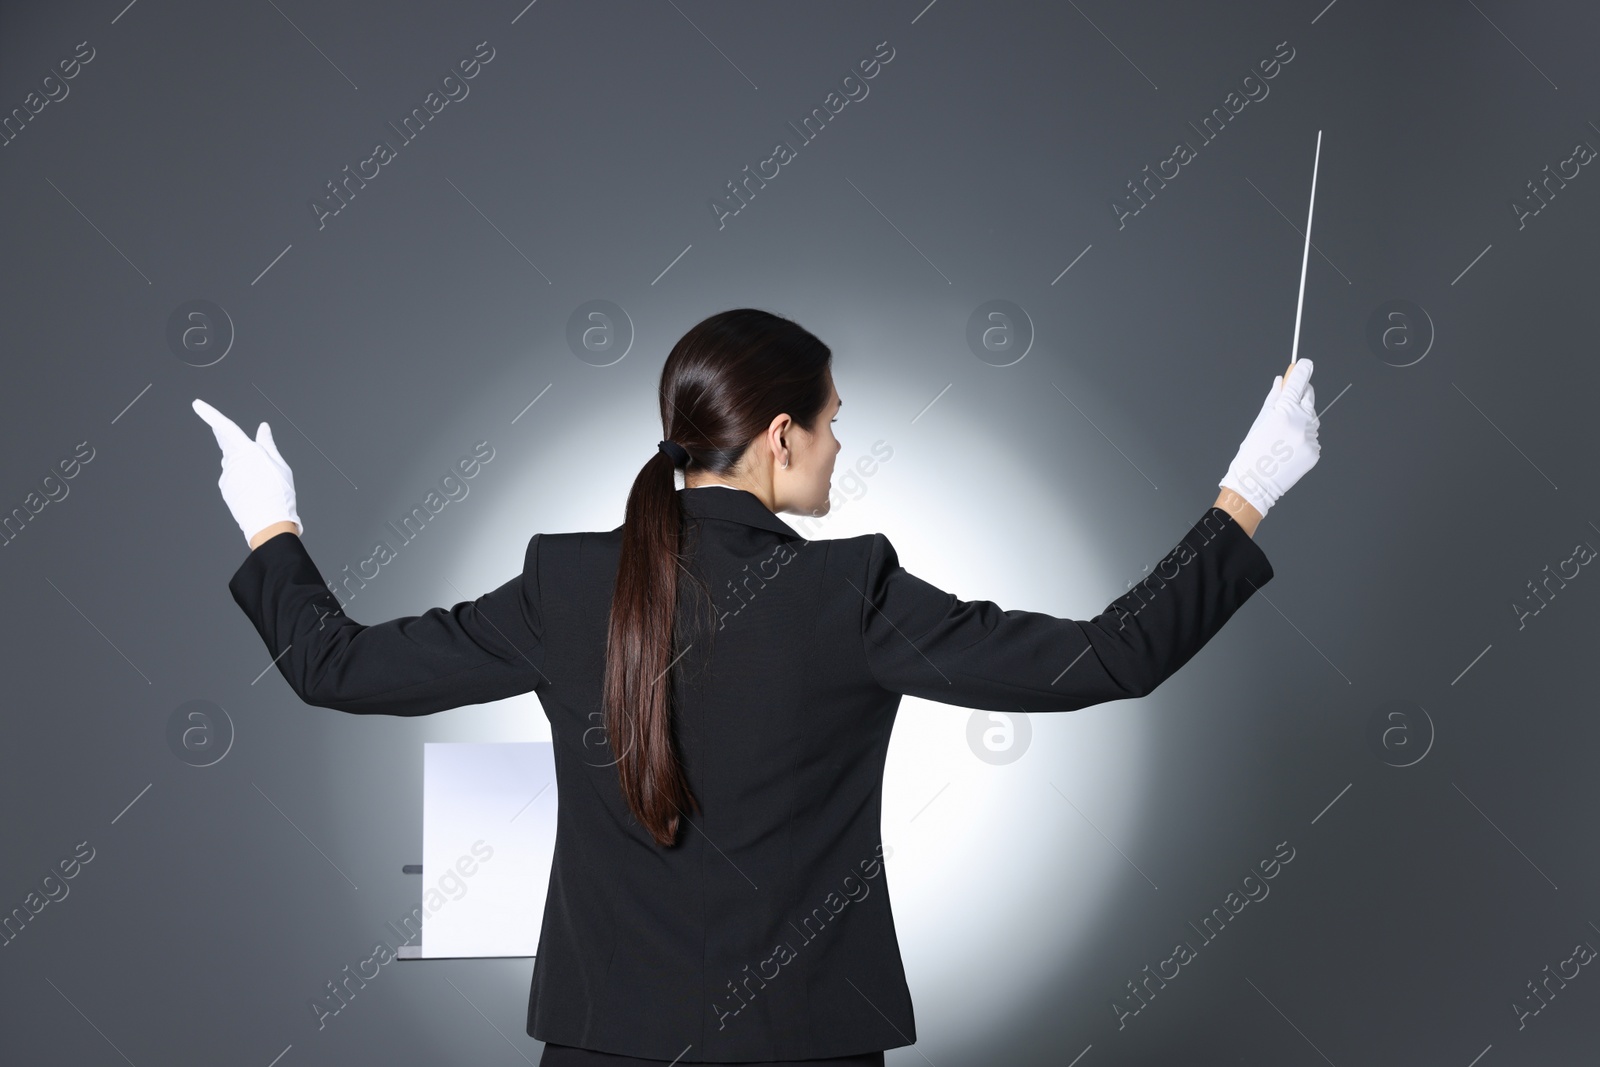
x=858 y=555
x=556 y=550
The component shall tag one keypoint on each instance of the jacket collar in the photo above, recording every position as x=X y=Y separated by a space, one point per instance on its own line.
x=737 y=505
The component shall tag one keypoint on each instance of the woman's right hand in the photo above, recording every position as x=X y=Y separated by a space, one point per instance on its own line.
x=256 y=483
x=1282 y=443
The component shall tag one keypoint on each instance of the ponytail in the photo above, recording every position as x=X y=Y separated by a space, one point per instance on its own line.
x=722 y=385
x=639 y=650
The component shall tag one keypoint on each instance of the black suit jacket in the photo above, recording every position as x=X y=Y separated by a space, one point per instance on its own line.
x=766 y=932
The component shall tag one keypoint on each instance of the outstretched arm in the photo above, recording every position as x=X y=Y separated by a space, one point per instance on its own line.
x=477 y=651
x=922 y=641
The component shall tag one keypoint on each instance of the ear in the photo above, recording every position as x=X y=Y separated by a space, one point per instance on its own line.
x=776 y=431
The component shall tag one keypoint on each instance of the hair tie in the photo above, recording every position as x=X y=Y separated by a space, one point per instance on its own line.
x=680 y=458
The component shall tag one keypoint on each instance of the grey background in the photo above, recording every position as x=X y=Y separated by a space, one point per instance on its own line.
x=433 y=310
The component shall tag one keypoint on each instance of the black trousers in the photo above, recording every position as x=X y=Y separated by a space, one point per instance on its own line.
x=567 y=1056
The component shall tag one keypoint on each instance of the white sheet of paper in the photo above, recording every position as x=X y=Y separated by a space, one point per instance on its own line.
x=488 y=834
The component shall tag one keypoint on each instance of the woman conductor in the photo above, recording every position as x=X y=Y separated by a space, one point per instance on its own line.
x=721 y=692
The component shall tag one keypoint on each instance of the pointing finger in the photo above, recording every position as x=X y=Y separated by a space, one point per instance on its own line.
x=227 y=432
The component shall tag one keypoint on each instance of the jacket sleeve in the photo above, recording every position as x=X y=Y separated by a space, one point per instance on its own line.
x=922 y=641
x=477 y=651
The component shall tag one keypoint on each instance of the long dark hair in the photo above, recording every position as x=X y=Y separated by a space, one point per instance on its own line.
x=722 y=385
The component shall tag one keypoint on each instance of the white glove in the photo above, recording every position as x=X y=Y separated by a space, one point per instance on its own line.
x=1282 y=443
x=257 y=485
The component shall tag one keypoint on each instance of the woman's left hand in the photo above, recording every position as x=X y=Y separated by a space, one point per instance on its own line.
x=257 y=485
